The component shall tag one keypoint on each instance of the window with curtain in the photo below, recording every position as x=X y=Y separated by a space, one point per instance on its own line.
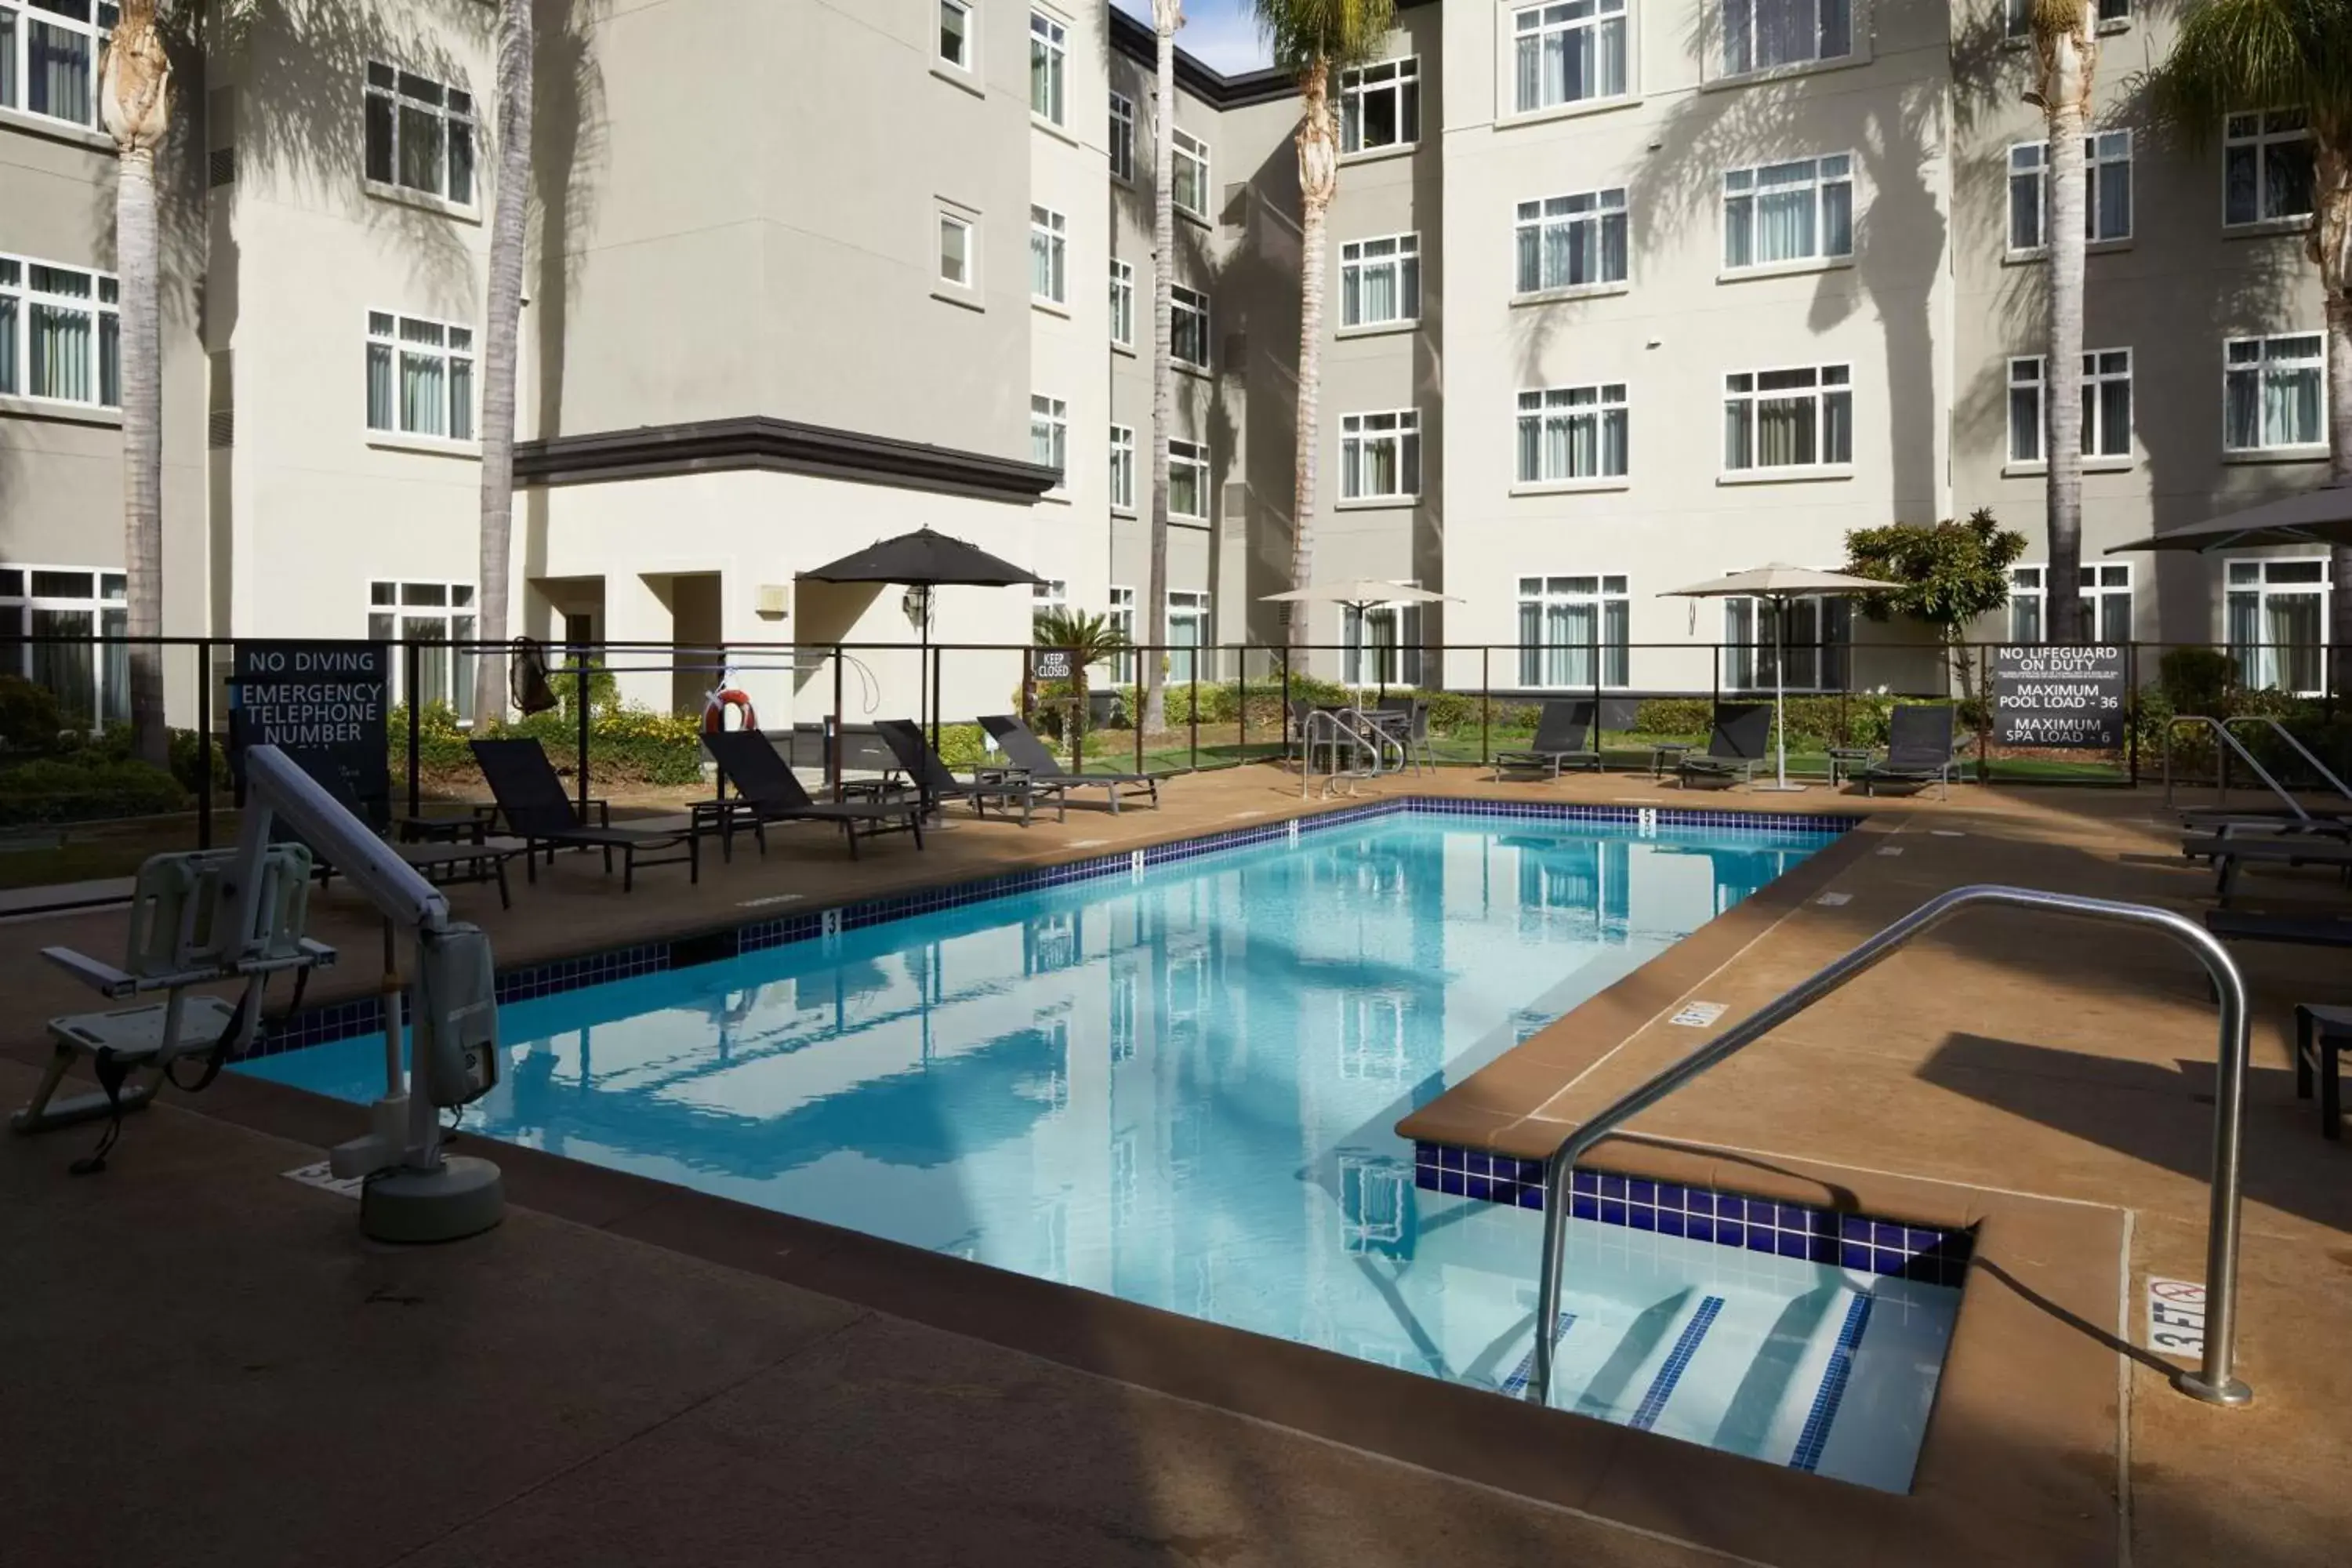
x=1049 y=45
x=1189 y=327
x=1049 y=435
x=1188 y=479
x=1122 y=304
x=1382 y=645
x=2277 y=613
x=1380 y=455
x=2274 y=393
x=51 y=619
x=1122 y=467
x=61 y=334
x=1122 y=618
x=1758 y=35
x=1188 y=631
x=420 y=376
x=955 y=33
x=1379 y=106
x=1788 y=418
x=2107 y=591
x=2267 y=169
x=1192 y=183
x=1573 y=241
x=2106 y=406
x=2107 y=191
x=1572 y=433
x=1048 y=256
x=1816 y=639
x=437 y=615
x=1380 y=280
x=955 y=249
x=50 y=51
x=1122 y=137
x=1797 y=211
x=1573 y=630
x=420 y=134
x=1568 y=53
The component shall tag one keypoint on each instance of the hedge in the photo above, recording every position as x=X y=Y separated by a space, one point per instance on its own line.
x=625 y=745
x=86 y=787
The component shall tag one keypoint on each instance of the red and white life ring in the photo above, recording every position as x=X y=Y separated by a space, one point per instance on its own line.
x=714 y=712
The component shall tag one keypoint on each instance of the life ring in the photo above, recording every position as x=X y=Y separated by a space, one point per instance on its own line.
x=714 y=712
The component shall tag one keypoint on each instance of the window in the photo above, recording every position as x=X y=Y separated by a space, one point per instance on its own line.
x=1122 y=467
x=1801 y=211
x=1122 y=618
x=1189 y=327
x=2106 y=406
x=1122 y=137
x=50 y=54
x=1569 y=53
x=1379 y=106
x=420 y=134
x=2274 y=393
x=2107 y=204
x=2278 y=623
x=1188 y=481
x=1048 y=596
x=1572 y=433
x=1188 y=629
x=431 y=392
x=1383 y=643
x=63 y=611
x=1788 y=418
x=1048 y=49
x=1122 y=304
x=1571 y=242
x=2267 y=166
x=1814 y=641
x=1380 y=280
x=1758 y=35
x=1380 y=455
x=1048 y=245
x=61 y=334
x=1191 y=189
x=2107 y=592
x=955 y=249
x=1049 y=435
x=434 y=614
x=1572 y=631
x=955 y=33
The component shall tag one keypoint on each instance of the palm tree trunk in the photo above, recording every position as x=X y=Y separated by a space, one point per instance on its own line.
x=1167 y=16
x=501 y=334
x=2069 y=57
x=135 y=87
x=1319 y=178
x=2331 y=246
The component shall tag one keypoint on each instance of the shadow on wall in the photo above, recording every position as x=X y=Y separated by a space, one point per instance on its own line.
x=1263 y=273
x=568 y=154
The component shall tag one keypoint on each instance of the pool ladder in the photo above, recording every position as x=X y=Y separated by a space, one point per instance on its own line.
x=1366 y=744
x=2214 y=1382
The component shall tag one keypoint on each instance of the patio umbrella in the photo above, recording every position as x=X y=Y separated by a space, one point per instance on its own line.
x=2321 y=516
x=1779 y=584
x=927 y=559
x=1360 y=595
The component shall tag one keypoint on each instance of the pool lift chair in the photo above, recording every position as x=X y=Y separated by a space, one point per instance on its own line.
x=239 y=915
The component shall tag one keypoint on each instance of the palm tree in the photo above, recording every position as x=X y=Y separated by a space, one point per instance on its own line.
x=135 y=97
x=1092 y=639
x=2066 y=53
x=1314 y=39
x=2233 y=55
x=1167 y=16
x=500 y=335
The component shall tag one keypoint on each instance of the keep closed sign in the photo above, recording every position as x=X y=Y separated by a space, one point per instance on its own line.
x=1055 y=664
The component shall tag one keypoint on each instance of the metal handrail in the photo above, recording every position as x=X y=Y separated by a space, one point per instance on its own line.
x=2223 y=729
x=1367 y=738
x=2215 y=1382
x=2284 y=733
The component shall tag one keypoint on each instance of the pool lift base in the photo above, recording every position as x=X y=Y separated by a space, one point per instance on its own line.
x=464 y=1196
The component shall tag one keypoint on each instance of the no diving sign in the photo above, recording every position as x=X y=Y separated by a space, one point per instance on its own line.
x=2176 y=1317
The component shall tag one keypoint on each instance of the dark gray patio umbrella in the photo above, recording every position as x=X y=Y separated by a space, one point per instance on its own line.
x=2321 y=516
x=927 y=559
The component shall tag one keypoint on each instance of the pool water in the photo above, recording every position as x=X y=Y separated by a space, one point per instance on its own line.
x=1180 y=1087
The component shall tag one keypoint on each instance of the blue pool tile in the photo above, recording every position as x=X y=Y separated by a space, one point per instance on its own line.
x=1886 y=1261
x=1671 y=1221
x=1581 y=1207
x=1478 y=1187
x=1853 y=1227
x=1761 y=1238
x=1531 y=1197
x=1699 y=1228
x=1854 y=1256
x=1612 y=1211
x=1729 y=1235
x=1889 y=1235
x=1791 y=1244
x=1730 y=1206
x=1640 y=1218
x=1475 y=1161
x=1612 y=1186
x=1641 y=1192
x=1698 y=1201
x=1450 y=1181
x=1585 y=1180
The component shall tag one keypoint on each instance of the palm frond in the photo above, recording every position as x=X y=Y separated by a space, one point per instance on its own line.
x=2234 y=54
x=1303 y=33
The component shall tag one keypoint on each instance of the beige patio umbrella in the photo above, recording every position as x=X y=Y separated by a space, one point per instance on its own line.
x=1360 y=595
x=1780 y=582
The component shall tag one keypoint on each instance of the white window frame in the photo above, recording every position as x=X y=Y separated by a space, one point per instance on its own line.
x=94 y=698
x=2259 y=369
x=1187 y=608
x=1737 y=18
x=20 y=299
x=1049 y=51
x=2107 y=588
x=1187 y=308
x=1541 y=410
x=388 y=335
x=967 y=14
x=1361 y=258
x=1361 y=437
x=2260 y=661
x=967 y=224
x=1047 y=595
x=1825 y=173
x=18 y=67
x=1122 y=616
x=1123 y=468
x=1122 y=303
x=2106 y=158
x=2252 y=131
x=412 y=93
x=1193 y=457
x=1570 y=666
x=1830 y=382
x=1605 y=26
x=1588 y=222
x=1750 y=660
x=1049 y=437
x=1121 y=149
x=1399 y=80
x=387 y=621
x=1366 y=659
x=1049 y=256
x=1192 y=156
x=2102 y=368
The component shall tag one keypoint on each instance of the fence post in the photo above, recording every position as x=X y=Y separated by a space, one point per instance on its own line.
x=409 y=659
x=1984 y=718
x=1195 y=767
x=204 y=743
x=1136 y=721
x=1286 y=725
x=1485 y=704
x=2131 y=712
x=580 y=723
x=833 y=742
x=1241 y=709
x=937 y=702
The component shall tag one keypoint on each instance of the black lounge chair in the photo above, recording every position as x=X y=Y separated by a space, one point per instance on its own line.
x=936 y=782
x=1563 y=736
x=1735 y=750
x=2232 y=852
x=2307 y=931
x=767 y=790
x=1918 y=750
x=1022 y=747
x=532 y=800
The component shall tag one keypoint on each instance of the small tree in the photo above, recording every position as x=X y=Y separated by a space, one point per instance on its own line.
x=1094 y=639
x=1952 y=574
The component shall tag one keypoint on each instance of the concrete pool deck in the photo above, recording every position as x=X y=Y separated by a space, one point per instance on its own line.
x=636 y=1374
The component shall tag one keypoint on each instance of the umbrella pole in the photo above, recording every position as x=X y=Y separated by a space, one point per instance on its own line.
x=1780 y=698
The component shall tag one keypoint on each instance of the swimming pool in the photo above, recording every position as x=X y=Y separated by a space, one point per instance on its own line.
x=1178 y=1085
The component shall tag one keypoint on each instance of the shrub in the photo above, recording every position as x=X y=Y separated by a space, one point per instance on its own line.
x=625 y=745
x=1674 y=716
x=85 y=788
x=190 y=754
x=2197 y=680
x=29 y=720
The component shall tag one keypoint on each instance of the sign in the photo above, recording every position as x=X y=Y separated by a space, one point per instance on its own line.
x=2058 y=695
x=324 y=705
x=2176 y=1317
x=1055 y=664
